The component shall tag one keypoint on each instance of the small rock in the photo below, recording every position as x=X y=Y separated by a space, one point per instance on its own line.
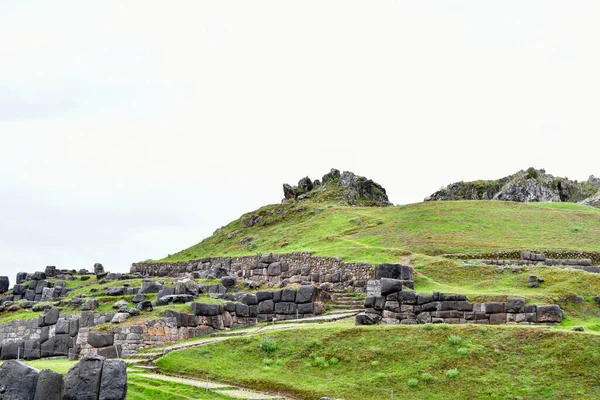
x=577 y=329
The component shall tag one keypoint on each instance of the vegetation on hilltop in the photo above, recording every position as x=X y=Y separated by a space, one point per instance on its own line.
x=384 y=234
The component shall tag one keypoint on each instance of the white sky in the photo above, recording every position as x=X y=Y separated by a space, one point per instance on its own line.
x=133 y=129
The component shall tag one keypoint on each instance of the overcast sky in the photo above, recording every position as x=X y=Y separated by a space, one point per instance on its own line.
x=134 y=129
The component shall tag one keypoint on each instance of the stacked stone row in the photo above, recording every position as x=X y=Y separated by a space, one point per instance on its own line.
x=291 y=268
x=394 y=304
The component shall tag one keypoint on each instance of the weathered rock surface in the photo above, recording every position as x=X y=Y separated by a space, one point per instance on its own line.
x=4 y=284
x=17 y=381
x=113 y=384
x=346 y=187
x=49 y=386
x=82 y=382
x=530 y=185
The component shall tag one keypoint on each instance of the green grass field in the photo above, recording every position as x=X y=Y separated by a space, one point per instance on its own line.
x=385 y=234
x=341 y=360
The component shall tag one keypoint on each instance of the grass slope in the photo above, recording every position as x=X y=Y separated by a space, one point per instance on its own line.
x=384 y=234
x=492 y=362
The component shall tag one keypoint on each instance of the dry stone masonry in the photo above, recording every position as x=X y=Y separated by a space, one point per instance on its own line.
x=587 y=261
x=269 y=268
x=390 y=301
x=93 y=378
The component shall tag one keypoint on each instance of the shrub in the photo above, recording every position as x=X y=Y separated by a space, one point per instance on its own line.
x=463 y=351
x=265 y=368
x=268 y=345
x=267 y=361
x=483 y=329
x=426 y=377
x=452 y=373
x=321 y=362
x=316 y=344
x=246 y=340
x=362 y=340
x=412 y=382
x=374 y=363
x=428 y=327
x=454 y=339
x=531 y=173
x=334 y=361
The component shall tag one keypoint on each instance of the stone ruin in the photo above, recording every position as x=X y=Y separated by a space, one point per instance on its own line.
x=93 y=378
x=392 y=301
x=582 y=260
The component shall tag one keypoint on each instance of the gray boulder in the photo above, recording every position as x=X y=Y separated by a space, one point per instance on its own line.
x=228 y=281
x=49 y=385
x=4 y=284
x=100 y=339
x=49 y=317
x=207 y=310
x=90 y=305
x=305 y=184
x=12 y=351
x=82 y=382
x=389 y=286
x=31 y=350
x=549 y=314
x=98 y=269
x=113 y=385
x=306 y=294
x=18 y=381
x=139 y=297
x=367 y=319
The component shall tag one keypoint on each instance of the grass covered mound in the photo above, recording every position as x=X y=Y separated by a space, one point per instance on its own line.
x=385 y=234
x=416 y=362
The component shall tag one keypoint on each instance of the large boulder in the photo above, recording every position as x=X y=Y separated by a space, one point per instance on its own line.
x=100 y=339
x=150 y=286
x=549 y=314
x=4 y=284
x=22 y=277
x=12 y=351
x=389 y=286
x=82 y=382
x=49 y=385
x=18 y=381
x=98 y=269
x=306 y=294
x=31 y=350
x=367 y=319
x=288 y=192
x=113 y=384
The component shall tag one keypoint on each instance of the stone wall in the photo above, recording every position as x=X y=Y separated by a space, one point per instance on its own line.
x=93 y=378
x=205 y=319
x=547 y=257
x=274 y=268
x=389 y=302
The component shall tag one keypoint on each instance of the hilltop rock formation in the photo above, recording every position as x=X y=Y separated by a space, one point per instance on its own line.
x=531 y=185
x=345 y=187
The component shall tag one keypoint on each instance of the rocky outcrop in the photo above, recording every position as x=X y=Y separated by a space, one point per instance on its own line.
x=531 y=185
x=345 y=187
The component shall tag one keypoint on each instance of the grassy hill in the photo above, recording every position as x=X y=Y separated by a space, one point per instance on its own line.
x=384 y=234
x=416 y=362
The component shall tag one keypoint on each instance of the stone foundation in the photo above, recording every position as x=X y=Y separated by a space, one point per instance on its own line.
x=390 y=302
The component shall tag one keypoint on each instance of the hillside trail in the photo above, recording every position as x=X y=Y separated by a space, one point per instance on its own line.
x=150 y=371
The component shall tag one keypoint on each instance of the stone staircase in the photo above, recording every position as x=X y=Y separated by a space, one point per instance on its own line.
x=348 y=301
